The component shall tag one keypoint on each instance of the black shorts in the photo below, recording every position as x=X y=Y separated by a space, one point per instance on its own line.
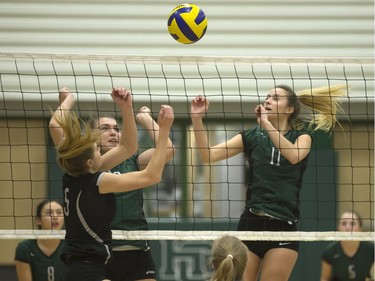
x=252 y=222
x=84 y=270
x=131 y=265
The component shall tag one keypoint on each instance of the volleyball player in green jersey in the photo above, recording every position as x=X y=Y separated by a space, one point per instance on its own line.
x=132 y=259
x=39 y=260
x=276 y=150
x=348 y=260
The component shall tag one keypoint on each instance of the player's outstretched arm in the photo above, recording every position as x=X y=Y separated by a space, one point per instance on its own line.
x=208 y=154
x=145 y=119
x=128 y=144
x=66 y=102
x=153 y=172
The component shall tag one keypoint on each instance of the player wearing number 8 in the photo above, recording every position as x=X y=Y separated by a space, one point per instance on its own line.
x=40 y=259
x=276 y=150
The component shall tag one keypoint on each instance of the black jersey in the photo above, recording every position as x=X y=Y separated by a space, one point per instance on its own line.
x=274 y=183
x=88 y=215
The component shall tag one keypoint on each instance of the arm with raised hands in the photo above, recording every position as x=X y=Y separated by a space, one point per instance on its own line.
x=128 y=144
x=145 y=119
x=66 y=103
x=208 y=154
x=153 y=172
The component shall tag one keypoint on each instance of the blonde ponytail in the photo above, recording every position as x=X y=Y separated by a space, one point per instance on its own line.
x=76 y=147
x=228 y=258
x=324 y=104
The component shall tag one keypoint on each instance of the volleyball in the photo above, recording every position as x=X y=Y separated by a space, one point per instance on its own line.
x=187 y=23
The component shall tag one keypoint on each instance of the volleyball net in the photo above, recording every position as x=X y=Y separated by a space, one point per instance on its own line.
x=193 y=201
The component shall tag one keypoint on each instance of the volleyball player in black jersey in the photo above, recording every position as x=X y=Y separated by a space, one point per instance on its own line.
x=89 y=203
x=276 y=150
x=132 y=259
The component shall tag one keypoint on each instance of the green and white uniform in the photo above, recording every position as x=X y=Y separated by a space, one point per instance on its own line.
x=43 y=268
x=344 y=268
x=274 y=183
x=129 y=210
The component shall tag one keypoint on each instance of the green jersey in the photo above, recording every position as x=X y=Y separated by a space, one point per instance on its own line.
x=344 y=268
x=43 y=268
x=129 y=208
x=274 y=183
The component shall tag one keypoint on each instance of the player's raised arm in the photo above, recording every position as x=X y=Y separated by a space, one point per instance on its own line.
x=128 y=144
x=153 y=172
x=145 y=119
x=66 y=103
x=208 y=154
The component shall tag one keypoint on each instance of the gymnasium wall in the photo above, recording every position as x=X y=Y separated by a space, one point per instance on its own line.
x=328 y=28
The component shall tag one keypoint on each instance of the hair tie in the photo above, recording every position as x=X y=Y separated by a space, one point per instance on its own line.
x=230 y=256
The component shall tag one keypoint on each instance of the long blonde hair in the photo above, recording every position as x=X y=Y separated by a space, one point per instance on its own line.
x=77 y=145
x=228 y=258
x=323 y=104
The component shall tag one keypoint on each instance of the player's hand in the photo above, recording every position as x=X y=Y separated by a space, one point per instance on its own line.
x=261 y=115
x=122 y=97
x=143 y=115
x=64 y=93
x=166 y=117
x=199 y=107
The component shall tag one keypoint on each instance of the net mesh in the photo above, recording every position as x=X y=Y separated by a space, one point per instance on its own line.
x=193 y=201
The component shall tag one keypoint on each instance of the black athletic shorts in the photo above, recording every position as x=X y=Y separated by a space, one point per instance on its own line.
x=131 y=265
x=252 y=222
x=84 y=269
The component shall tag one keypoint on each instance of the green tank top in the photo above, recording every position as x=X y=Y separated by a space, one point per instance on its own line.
x=129 y=208
x=274 y=183
x=49 y=268
x=355 y=268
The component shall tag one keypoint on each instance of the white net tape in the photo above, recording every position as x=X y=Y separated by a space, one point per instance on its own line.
x=308 y=236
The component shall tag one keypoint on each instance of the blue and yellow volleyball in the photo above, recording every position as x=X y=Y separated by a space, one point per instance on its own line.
x=187 y=23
